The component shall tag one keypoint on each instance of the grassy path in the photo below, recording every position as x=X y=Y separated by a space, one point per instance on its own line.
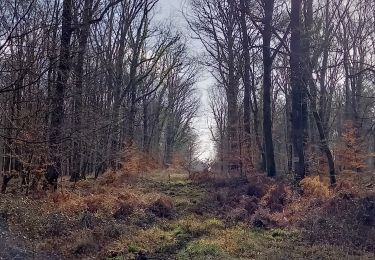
x=197 y=231
x=84 y=224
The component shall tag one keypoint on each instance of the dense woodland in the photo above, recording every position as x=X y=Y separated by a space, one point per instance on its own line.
x=98 y=101
x=82 y=80
x=291 y=78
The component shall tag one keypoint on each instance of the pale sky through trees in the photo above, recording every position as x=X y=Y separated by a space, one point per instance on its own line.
x=172 y=9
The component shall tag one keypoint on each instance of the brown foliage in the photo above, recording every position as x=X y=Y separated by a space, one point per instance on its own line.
x=340 y=216
x=256 y=189
x=343 y=221
x=162 y=207
x=109 y=177
x=124 y=209
x=350 y=152
x=237 y=214
x=136 y=162
x=85 y=244
x=250 y=204
x=315 y=188
x=276 y=198
x=262 y=218
x=239 y=201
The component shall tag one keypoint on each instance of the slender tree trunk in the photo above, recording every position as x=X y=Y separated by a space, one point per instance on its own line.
x=232 y=127
x=52 y=56
x=131 y=116
x=267 y=88
x=288 y=134
x=169 y=132
x=323 y=101
x=232 y=95
x=8 y=166
x=254 y=107
x=114 y=133
x=57 y=102
x=307 y=118
x=348 y=103
x=78 y=73
x=324 y=143
x=246 y=77
x=323 y=97
x=137 y=49
x=146 y=142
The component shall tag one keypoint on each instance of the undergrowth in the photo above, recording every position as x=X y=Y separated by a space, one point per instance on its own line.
x=166 y=215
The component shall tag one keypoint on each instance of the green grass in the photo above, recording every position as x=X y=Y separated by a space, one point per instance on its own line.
x=207 y=236
x=202 y=249
x=188 y=235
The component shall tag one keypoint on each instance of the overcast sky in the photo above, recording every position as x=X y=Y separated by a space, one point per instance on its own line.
x=171 y=9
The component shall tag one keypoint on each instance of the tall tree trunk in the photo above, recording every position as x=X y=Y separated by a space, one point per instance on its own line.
x=146 y=137
x=170 y=131
x=299 y=106
x=254 y=108
x=77 y=99
x=57 y=102
x=324 y=142
x=324 y=102
x=267 y=88
x=307 y=119
x=137 y=46
x=246 y=78
x=113 y=135
x=131 y=116
x=288 y=128
x=232 y=97
x=52 y=56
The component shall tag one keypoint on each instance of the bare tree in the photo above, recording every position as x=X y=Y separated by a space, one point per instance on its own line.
x=216 y=25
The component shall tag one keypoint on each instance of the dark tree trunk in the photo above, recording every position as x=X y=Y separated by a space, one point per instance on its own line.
x=324 y=147
x=57 y=102
x=78 y=73
x=146 y=137
x=232 y=127
x=267 y=89
x=232 y=98
x=299 y=106
x=52 y=56
x=254 y=107
x=113 y=135
x=6 y=180
x=246 y=77
x=348 y=104
x=131 y=116
x=169 y=138
x=307 y=119
x=288 y=134
x=324 y=101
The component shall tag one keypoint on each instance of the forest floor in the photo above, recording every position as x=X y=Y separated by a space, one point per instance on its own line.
x=166 y=215
x=8 y=249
